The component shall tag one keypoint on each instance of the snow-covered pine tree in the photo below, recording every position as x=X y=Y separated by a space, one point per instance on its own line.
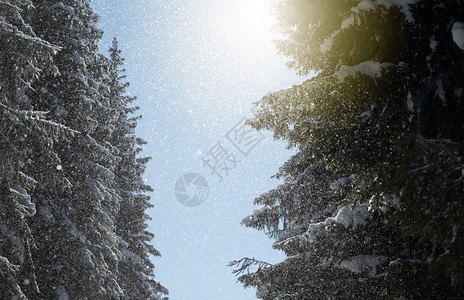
x=27 y=158
x=333 y=251
x=77 y=248
x=386 y=107
x=136 y=271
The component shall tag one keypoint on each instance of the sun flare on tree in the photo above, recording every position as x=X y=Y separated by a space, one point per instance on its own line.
x=372 y=205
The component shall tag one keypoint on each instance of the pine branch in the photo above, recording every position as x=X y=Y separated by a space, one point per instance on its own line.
x=246 y=263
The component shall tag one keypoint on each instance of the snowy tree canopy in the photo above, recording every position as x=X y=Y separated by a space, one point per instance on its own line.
x=70 y=173
x=384 y=110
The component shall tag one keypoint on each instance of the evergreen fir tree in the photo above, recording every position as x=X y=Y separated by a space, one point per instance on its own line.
x=333 y=251
x=385 y=108
x=77 y=249
x=73 y=210
x=136 y=275
x=26 y=144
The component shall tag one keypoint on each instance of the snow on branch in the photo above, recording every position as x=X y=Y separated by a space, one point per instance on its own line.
x=16 y=8
x=370 y=68
x=458 y=34
x=9 y=29
x=360 y=263
x=28 y=115
x=403 y=5
x=6 y=266
x=364 y=6
x=348 y=217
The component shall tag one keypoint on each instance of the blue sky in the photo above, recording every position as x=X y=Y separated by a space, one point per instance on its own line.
x=196 y=67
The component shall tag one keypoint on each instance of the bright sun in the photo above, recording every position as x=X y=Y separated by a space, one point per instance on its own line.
x=253 y=17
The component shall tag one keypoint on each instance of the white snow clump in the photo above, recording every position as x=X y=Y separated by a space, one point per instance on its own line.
x=458 y=34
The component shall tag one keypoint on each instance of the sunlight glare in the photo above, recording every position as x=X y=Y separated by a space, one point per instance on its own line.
x=253 y=18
